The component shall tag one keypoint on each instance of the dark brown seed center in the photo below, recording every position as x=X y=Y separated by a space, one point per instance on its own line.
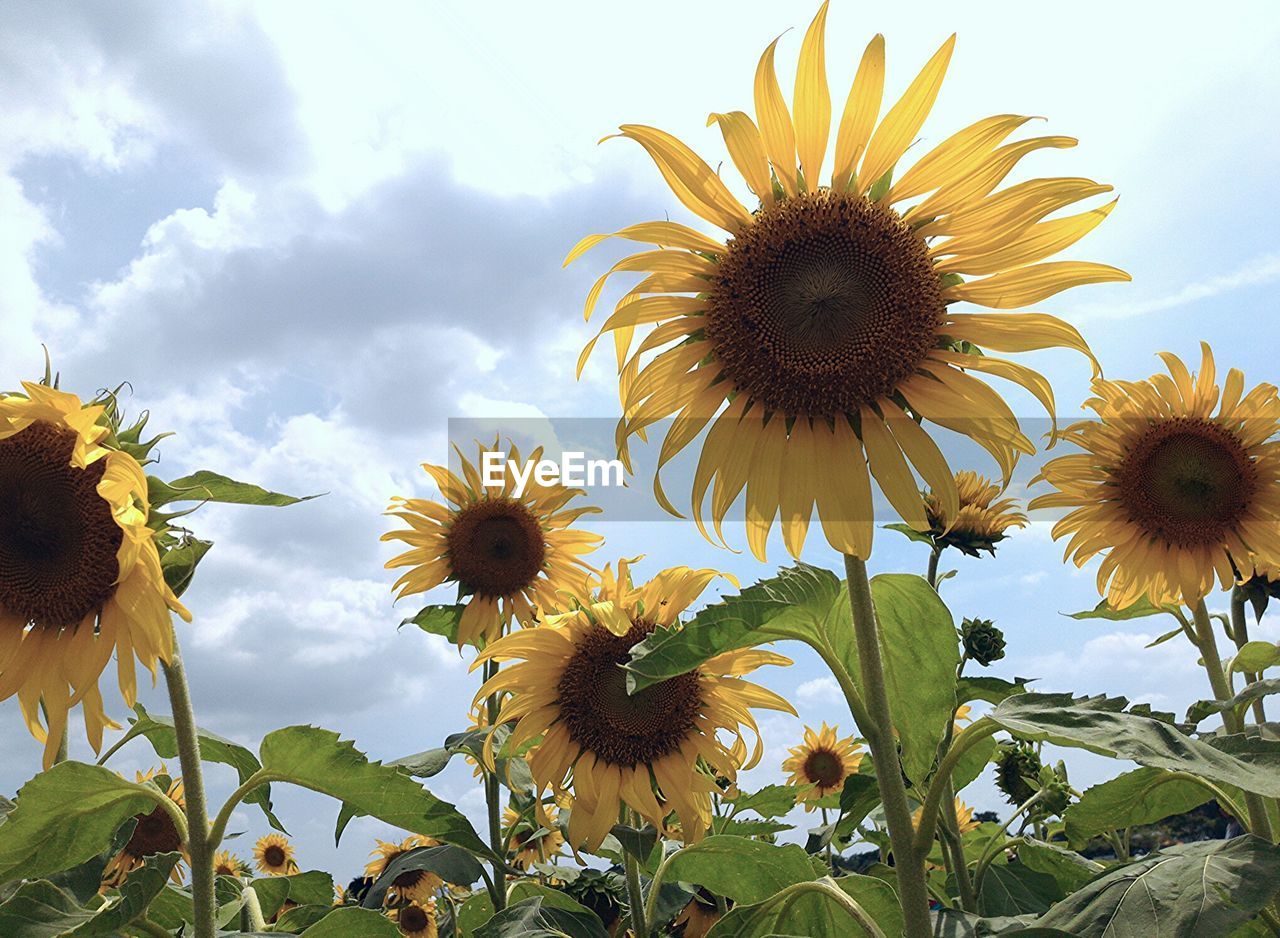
x=496 y=547
x=154 y=833
x=1187 y=482
x=58 y=539
x=824 y=768
x=413 y=918
x=625 y=730
x=274 y=856
x=826 y=302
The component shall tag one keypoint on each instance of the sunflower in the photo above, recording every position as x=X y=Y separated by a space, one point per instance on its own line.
x=526 y=843
x=509 y=553
x=964 y=817
x=816 y=336
x=226 y=863
x=697 y=918
x=80 y=575
x=610 y=748
x=417 y=919
x=1171 y=491
x=153 y=833
x=273 y=855
x=964 y=713
x=980 y=522
x=411 y=886
x=820 y=764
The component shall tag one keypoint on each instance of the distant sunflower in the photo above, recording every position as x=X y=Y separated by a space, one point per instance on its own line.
x=80 y=575
x=697 y=918
x=418 y=920
x=153 y=833
x=820 y=764
x=411 y=886
x=274 y=856
x=964 y=713
x=964 y=817
x=655 y=751
x=1169 y=490
x=981 y=521
x=526 y=843
x=226 y=863
x=819 y=333
x=511 y=554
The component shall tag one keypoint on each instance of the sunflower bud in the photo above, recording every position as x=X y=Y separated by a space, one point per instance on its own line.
x=983 y=642
x=1016 y=762
x=1055 y=794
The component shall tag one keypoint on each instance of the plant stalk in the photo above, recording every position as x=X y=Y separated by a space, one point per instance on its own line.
x=635 y=895
x=184 y=725
x=492 y=791
x=1240 y=635
x=913 y=893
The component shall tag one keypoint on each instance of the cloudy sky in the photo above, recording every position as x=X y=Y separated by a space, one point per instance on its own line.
x=310 y=236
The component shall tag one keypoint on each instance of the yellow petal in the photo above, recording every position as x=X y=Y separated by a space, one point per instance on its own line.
x=664 y=233
x=813 y=101
x=1018 y=332
x=1035 y=244
x=775 y=123
x=860 y=112
x=955 y=156
x=746 y=149
x=967 y=190
x=1033 y=284
x=890 y=469
x=692 y=180
x=844 y=492
x=924 y=454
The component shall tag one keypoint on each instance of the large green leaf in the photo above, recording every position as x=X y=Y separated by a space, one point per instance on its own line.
x=1016 y=889
x=1143 y=796
x=1201 y=709
x=1138 y=610
x=972 y=762
x=163 y=737
x=740 y=869
x=769 y=802
x=319 y=760
x=877 y=899
x=812 y=912
x=452 y=864
x=991 y=689
x=1101 y=725
x=353 y=923
x=309 y=888
x=41 y=910
x=479 y=908
x=1205 y=888
x=535 y=918
x=439 y=620
x=179 y=563
x=1069 y=869
x=65 y=816
x=205 y=486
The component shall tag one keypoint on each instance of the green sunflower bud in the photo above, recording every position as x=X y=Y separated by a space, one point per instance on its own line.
x=983 y=642
x=1016 y=762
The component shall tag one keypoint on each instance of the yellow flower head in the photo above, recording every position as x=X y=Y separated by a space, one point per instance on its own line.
x=981 y=521
x=532 y=841
x=820 y=764
x=417 y=919
x=511 y=554
x=1170 y=491
x=817 y=331
x=226 y=863
x=656 y=751
x=413 y=885
x=80 y=576
x=153 y=833
x=964 y=817
x=274 y=856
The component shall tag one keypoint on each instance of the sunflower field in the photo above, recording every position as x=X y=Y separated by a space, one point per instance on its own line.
x=804 y=352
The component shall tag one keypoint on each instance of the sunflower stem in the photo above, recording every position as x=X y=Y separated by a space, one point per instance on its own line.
x=492 y=790
x=913 y=893
x=251 y=913
x=635 y=895
x=184 y=725
x=934 y=556
x=1207 y=642
x=1240 y=635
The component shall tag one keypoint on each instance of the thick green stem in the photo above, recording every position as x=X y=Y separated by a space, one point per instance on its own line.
x=826 y=887
x=251 y=918
x=913 y=893
x=655 y=885
x=992 y=847
x=219 y=827
x=969 y=737
x=933 y=566
x=492 y=793
x=1240 y=635
x=635 y=895
x=184 y=726
x=1259 y=823
x=954 y=849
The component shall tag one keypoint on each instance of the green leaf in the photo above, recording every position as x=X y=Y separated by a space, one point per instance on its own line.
x=748 y=827
x=450 y=863
x=1016 y=889
x=479 y=908
x=438 y=620
x=1101 y=726
x=319 y=760
x=535 y=918
x=637 y=841
x=1138 y=610
x=313 y=887
x=353 y=923
x=920 y=537
x=1205 y=888
x=991 y=689
x=160 y=733
x=65 y=816
x=1256 y=657
x=972 y=762
x=40 y=910
x=921 y=655
x=769 y=802
x=301 y=917
x=1142 y=796
x=1201 y=709
x=205 y=486
x=740 y=869
x=811 y=911
x=179 y=563
x=1070 y=870
x=877 y=898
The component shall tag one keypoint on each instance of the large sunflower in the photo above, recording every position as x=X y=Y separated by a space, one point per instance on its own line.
x=1169 y=490
x=80 y=574
x=410 y=886
x=509 y=553
x=820 y=764
x=816 y=336
x=153 y=833
x=656 y=751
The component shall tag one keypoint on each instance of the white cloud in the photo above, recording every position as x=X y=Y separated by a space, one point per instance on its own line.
x=1260 y=271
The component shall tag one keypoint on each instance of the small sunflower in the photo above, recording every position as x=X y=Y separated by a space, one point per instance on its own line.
x=511 y=554
x=1169 y=490
x=417 y=920
x=526 y=843
x=964 y=713
x=412 y=886
x=153 y=833
x=964 y=817
x=816 y=336
x=80 y=575
x=981 y=521
x=226 y=863
x=697 y=918
x=274 y=856
x=820 y=764
x=655 y=751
